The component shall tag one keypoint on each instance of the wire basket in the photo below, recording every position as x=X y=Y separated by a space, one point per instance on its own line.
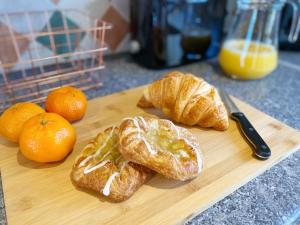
x=58 y=52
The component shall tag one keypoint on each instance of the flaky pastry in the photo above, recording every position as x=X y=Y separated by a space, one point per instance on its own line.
x=161 y=146
x=101 y=167
x=186 y=99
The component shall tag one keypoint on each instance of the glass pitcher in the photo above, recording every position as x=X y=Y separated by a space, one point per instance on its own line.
x=250 y=48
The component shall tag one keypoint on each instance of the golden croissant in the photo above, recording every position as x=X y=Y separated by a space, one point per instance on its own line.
x=187 y=99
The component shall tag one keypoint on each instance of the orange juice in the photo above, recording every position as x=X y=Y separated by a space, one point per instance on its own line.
x=247 y=60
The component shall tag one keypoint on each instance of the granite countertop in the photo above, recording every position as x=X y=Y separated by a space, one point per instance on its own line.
x=273 y=197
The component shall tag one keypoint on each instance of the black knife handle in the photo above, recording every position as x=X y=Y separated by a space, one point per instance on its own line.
x=261 y=149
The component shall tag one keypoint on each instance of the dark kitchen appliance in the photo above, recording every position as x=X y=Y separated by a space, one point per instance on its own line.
x=285 y=26
x=167 y=33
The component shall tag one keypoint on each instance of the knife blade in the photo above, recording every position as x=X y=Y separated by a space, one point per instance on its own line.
x=259 y=146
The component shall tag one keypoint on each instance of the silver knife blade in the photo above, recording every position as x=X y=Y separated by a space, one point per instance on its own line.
x=230 y=105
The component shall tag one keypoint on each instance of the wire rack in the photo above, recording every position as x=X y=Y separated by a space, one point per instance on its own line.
x=58 y=52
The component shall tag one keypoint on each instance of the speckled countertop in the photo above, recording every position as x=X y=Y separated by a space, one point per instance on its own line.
x=273 y=197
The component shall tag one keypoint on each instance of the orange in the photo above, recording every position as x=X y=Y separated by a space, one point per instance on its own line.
x=13 y=118
x=69 y=102
x=47 y=137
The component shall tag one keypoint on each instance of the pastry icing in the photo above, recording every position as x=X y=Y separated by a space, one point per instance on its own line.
x=198 y=156
x=139 y=136
x=104 y=143
x=83 y=162
x=183 y=153
x=89 y=169
x=106 y=189
x=98 y=151
x=175 y=128
x=153 y=152
x=143 y=121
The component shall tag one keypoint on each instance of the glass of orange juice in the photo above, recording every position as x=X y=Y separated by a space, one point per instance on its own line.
x=250 y=49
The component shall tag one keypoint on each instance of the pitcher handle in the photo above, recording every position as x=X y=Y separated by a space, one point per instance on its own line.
x=295 y=27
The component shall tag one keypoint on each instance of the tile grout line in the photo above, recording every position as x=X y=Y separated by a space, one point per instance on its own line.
x=289 y=65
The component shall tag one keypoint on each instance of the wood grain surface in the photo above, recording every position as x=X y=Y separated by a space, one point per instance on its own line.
x=44 y=194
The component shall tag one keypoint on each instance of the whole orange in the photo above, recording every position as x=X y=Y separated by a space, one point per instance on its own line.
x=13 y=118
x=47 y=137
x=69 y=102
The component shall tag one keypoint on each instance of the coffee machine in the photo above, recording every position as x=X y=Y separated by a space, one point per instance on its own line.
x=168 y=33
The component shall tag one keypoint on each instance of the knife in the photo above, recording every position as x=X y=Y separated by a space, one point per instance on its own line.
x=261 y=149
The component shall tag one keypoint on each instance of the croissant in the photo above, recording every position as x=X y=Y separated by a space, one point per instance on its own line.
x=101 y=167
x=160 y=145
x=187 y=99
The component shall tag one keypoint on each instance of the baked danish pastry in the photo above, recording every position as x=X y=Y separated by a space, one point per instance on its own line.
x=161 y=146
x=101 y=167
x=186 y=99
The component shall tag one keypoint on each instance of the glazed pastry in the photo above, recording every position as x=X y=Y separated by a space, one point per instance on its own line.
x=101 y=167
x=161 y=146
x=187 y=99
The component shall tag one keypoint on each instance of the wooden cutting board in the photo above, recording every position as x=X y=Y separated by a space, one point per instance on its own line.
x=44 y=194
